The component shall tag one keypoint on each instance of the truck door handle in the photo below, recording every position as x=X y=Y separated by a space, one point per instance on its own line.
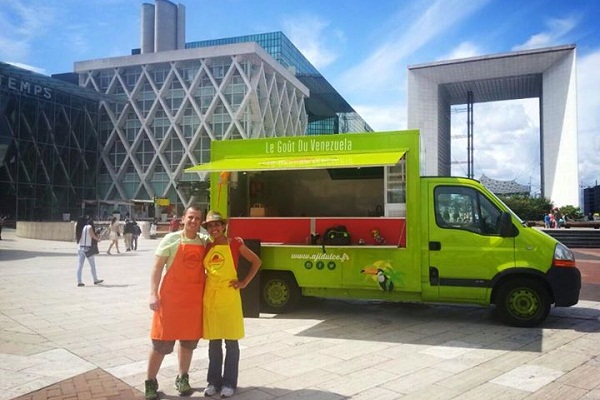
x=435 y=246
x=434 y=276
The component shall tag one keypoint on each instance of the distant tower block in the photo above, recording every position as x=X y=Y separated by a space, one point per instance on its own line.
x=163 y=27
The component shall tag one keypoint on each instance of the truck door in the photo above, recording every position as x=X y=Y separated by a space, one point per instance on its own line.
x=465 y=247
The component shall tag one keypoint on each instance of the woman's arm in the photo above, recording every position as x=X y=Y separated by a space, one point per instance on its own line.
x=255 y=262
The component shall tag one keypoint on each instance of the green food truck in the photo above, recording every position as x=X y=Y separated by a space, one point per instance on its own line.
x=349 y=216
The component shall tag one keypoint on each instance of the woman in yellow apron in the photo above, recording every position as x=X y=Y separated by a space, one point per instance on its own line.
x=223 y=318
x=177 y=305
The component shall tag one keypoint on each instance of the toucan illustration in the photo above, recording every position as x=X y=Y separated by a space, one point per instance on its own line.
x=385 y=282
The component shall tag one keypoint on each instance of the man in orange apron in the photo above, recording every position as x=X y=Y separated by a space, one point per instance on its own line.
x=223 y=318
x=178 y=305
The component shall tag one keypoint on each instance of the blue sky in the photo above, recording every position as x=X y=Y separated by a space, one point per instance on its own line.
x=363 y=47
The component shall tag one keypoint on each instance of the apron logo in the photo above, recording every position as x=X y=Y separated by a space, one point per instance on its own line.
x=192 y=260
x=216 y=261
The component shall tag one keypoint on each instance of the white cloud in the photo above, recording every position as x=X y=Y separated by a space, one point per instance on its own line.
x=463 y=50
x=308 y=33
x=588 y=104
x=387 y=62
x=22 y=23
x=506 y=141
x=556 y=32
x=11 y=49
x=390 y=117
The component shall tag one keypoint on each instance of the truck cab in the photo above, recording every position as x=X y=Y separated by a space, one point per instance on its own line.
x=479 y=251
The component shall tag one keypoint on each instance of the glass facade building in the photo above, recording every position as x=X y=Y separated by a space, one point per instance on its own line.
x=170 y=105
x=168 y=108
x=48 y=145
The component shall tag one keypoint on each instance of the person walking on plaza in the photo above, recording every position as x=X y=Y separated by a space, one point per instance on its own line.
x=114 y=235
x=137 y=231
x=153 y=228
x=128 y=232
x=2 y=218
x=176 y=301
x=85 y=234
x=223 y=318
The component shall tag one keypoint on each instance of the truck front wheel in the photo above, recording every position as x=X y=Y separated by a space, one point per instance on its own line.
x=279 y=292
x=523 y=302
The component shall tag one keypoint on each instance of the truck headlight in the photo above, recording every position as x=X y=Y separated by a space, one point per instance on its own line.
x=563 y=257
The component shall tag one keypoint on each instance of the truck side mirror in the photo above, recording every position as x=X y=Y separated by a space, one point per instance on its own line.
x=506 y=227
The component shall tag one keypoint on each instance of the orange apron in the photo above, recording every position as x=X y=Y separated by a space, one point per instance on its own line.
x=223 y=316
x=179 y=316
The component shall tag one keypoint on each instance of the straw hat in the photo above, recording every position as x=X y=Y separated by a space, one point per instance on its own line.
x=213 y=216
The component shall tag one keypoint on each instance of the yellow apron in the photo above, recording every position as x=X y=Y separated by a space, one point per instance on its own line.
x=223 y=317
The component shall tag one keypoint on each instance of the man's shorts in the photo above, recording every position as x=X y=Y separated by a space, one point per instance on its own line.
x=166 y=346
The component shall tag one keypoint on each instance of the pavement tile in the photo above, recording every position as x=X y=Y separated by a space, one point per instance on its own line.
x=528 y=377
x=556 y=390
x=584 y=377
x=417 y=380
x=61 y=342
x=94 y=385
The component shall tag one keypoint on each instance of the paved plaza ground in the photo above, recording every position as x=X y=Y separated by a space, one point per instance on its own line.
x=60 y=341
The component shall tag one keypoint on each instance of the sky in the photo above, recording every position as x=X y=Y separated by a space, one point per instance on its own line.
x=363 y=48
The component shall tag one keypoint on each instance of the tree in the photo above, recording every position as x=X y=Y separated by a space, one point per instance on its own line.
x=571 y=212
x=526 y=207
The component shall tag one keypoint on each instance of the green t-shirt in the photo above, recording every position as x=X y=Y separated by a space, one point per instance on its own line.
x=170 y=243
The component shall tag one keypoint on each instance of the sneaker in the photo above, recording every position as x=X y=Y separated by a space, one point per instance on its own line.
x=99 y=281
x=80 y=284
x=151 y=392
x=182 y=384
x=210 y=390
x=227 y=391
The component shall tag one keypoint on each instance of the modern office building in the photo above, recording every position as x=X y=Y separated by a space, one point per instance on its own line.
x=48 y=145
x=173 y=99
x=591 y=200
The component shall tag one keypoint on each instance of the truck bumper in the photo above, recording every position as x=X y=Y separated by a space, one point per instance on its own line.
x=565 y=284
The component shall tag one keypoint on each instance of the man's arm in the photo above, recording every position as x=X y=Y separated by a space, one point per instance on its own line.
x=155 y=279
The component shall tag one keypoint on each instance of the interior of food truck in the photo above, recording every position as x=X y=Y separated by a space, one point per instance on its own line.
x=343 y=192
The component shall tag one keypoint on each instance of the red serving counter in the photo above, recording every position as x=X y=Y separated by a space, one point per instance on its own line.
x=297 y=231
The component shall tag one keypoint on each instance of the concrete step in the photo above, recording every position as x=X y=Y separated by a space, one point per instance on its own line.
x=576 y=238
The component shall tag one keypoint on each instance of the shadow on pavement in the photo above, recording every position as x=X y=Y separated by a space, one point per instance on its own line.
x=13 y=255
x=271 y=393
x=465 y=327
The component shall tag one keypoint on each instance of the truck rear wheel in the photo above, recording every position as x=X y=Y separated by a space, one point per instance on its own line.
x=523 y=302
x=279 y=292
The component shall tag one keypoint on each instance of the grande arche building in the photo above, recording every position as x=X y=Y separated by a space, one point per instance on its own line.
x=548 y=74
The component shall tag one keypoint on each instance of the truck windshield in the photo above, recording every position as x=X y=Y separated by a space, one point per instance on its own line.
x=507 y=207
